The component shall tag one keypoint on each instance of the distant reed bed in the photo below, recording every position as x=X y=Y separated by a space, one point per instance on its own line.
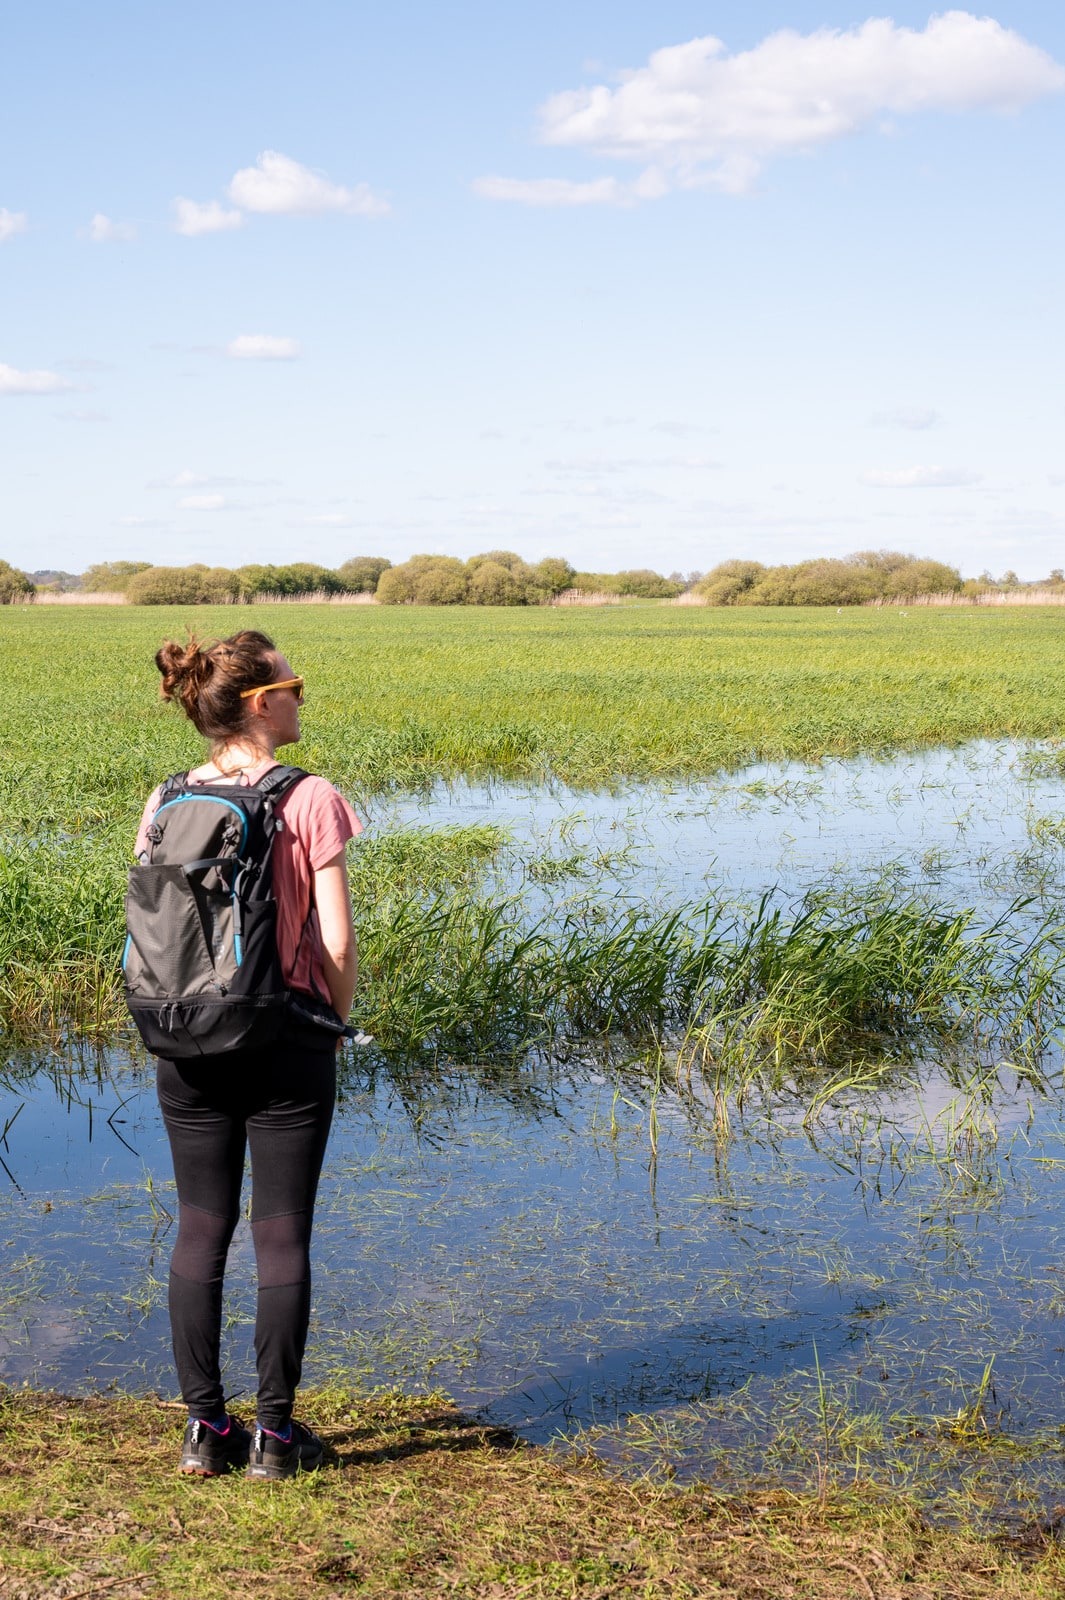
x=45 y=597
x=989 y=597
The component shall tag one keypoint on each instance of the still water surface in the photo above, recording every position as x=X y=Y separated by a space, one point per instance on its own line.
x=791 y=1296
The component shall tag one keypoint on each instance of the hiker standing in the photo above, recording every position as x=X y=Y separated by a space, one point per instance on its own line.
x=240 y=968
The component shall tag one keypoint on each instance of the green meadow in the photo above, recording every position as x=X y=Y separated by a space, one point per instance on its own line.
x=399 y=697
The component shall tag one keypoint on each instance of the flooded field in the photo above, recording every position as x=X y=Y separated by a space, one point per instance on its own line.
x=809 y=1286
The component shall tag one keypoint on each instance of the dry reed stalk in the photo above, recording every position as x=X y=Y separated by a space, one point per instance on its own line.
x=993 y=597
x=585 y=597
x=315 y=597
x=103 y=597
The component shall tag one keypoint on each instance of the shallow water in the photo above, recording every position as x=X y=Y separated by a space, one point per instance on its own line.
x=772 y=1301
x=958 y=823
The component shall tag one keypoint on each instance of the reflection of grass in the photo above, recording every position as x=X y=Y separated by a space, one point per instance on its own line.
x=416 y=1500
x=820 y=1437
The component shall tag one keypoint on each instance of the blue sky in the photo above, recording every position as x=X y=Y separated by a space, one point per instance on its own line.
x=299 y=282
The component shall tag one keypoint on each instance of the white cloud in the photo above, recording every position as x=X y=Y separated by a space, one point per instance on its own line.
x=697 y=116
x=103 y=231
x=83 y=416
x=284 y=187
x=193 y=217
x=263 y=347
x=921 y=478
x=586 y=466
x=328 y=519
x=12 y=222
x=916 y=418
x=202 y=502
x=14 y=382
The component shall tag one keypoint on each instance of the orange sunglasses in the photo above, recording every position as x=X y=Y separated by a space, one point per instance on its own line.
x=264 y=688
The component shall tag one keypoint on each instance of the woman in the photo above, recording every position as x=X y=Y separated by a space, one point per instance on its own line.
x=243 y=696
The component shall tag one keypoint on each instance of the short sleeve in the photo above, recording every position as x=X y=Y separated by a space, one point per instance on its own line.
x=321 y=819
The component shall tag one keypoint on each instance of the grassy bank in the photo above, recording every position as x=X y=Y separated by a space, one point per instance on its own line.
x=416 y=1501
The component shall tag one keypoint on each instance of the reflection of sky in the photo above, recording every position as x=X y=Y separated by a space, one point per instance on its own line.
x=509 y=1246
x=521 y=1255
x=955 y=822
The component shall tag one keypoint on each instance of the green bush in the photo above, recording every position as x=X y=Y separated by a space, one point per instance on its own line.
x=361 y=574
x=299 y=577
x=425 y=581
x=596 y=582
x=849 y=581
x=724 y=584
x=923 y=577
x=111 y=577
x=553 y=574
x=14 y=585
x=648 y=585
x=494 y=585
x=196 y=585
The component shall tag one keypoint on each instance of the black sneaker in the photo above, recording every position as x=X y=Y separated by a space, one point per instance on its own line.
x=207 y=1453
x=271 y=1457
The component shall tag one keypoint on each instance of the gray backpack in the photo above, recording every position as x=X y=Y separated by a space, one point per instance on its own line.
x=201 y=967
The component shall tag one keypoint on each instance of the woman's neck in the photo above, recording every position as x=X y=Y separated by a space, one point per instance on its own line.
x=239 y=756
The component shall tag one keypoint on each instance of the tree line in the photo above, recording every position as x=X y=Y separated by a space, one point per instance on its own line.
x=502 y=578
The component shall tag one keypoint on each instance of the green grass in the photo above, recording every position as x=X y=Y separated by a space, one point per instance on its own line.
x=451 y=966
x=398 y=696
x=416 y=1501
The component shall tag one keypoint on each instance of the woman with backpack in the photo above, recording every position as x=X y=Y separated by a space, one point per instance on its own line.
x=240 y=970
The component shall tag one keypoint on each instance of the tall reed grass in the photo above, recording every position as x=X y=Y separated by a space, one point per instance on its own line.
x=449 y=968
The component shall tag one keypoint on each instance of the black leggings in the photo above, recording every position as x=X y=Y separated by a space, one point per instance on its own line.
x=278 y=1100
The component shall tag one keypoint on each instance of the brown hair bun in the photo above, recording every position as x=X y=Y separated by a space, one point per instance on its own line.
x=207 y=680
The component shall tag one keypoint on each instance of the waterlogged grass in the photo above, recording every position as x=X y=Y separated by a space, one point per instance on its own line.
x=398 y=696
x=414 y=1500
x=451 y=966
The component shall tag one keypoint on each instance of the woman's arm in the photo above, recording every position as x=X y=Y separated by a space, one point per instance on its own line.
x=340 y=956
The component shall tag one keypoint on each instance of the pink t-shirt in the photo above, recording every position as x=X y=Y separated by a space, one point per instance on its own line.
x=318 y=824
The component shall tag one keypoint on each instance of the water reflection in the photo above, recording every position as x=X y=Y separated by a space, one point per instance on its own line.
x=761 y=1301
x=965 y=823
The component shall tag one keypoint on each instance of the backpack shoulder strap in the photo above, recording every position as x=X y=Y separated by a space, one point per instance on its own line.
x=279 y=780
x=172 y=786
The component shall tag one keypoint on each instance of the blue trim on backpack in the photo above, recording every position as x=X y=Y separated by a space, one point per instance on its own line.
x=125 y=953
x=214 y=799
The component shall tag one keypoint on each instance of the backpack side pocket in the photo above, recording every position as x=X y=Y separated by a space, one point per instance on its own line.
x=166 y=949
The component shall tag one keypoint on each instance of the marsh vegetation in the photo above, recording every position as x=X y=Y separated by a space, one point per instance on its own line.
x=714 y=1118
